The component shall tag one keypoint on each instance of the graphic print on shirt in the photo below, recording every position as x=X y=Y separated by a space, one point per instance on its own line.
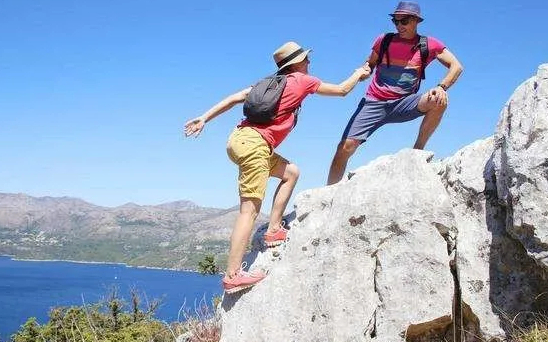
x=401 y=80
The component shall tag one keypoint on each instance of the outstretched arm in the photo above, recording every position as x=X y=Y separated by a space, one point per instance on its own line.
x=196 y=125
x=347 y=85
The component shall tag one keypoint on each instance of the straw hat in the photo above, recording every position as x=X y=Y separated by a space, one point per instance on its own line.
x=289 y=53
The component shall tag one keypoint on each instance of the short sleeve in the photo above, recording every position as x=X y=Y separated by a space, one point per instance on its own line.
x=310 y=83
x=377 y=44
x=435 y=47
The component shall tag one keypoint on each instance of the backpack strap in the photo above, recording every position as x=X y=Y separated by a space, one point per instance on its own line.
x=422 y=45
x=295 y=110
x=384 y=48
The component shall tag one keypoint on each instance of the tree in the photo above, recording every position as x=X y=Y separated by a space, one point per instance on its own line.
x=208 y=265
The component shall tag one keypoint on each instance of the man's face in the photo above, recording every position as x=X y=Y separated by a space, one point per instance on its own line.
x=405 y=24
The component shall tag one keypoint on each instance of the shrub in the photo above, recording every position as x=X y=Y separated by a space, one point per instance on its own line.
x=204 y=325
x=110 y=321
x=208 y=265
x=103 y=322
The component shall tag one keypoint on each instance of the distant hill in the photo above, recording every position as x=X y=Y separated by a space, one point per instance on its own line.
x=172 y=235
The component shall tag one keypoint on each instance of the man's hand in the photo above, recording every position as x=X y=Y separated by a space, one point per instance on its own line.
x=438 y=95
x=194 y=127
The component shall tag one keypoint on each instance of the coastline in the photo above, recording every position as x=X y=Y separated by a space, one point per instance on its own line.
x=14 y=258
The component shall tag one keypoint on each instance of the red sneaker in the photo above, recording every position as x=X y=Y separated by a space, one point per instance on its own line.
x=242 y=280
x=275 y=239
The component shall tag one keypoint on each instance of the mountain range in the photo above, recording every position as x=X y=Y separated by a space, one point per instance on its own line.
x=171 y=235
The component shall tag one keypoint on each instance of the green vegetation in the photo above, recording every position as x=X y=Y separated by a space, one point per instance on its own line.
x=208 y=266
x=108 y=321
x=142 y=251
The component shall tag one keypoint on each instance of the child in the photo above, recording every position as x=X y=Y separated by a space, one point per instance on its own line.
x=251 y=147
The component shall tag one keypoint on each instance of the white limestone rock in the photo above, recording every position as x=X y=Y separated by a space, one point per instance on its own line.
x=521 y=162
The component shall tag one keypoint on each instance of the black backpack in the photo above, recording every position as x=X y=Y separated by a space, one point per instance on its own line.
x=262 y=102
x=422 y=45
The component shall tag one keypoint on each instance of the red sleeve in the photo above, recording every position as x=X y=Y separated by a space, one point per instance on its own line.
x=377 y=44
x=435 y=47
x=310 y=84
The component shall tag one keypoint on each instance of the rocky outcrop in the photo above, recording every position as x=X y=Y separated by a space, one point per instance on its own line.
x=412 y=249
x=521 y=164
x=499 y=284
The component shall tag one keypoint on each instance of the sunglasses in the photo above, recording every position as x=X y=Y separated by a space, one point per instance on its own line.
x=404 y=21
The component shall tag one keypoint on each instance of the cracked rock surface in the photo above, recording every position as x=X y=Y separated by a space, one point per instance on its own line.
x=521 y=164
x=412 y=249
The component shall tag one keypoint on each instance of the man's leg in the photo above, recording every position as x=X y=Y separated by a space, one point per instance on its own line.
x=345 y=150
x=289 y=174
x=249 y=209
x=433 y=113
x=367 y=118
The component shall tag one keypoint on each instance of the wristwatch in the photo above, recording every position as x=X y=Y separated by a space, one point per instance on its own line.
x=442 y=86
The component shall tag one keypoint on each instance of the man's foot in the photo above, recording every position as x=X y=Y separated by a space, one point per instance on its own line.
x=242 y=280
x=275 y=239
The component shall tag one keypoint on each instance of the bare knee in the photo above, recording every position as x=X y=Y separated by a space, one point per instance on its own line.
x=431 y=107
x=250 y=207
x=291 y=173
x=347 y=147
x=436 y=111
x=429 y=103
x=439 y=108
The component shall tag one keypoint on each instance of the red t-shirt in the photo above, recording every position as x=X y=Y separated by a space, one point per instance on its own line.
x=298 y=86
x=403 y=75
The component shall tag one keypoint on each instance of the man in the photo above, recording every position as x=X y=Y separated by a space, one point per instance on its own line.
x=251 y=147
x=392 y=94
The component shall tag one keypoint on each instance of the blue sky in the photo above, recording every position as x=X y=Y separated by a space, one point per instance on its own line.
x=94 y=94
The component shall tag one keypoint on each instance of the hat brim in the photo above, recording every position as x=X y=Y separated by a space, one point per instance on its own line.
x=407 y=13
x=299 y=58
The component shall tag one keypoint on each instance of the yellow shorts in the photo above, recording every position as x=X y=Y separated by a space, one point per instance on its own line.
x=247 y=149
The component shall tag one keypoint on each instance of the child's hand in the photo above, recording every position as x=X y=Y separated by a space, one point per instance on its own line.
x=194 y=127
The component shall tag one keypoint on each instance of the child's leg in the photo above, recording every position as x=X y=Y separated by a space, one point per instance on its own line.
x=249 y=209
x=247 y=148
x=289 y=174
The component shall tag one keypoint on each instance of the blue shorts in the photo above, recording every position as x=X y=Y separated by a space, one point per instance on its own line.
x=372 y=114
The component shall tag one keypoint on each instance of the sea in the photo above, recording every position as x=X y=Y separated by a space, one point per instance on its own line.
x=31 y=288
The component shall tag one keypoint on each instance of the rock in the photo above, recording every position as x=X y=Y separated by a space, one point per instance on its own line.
x=467 y=179
x=411 y=249
x=521 y=164
x=353 y=269
x=497 y=278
